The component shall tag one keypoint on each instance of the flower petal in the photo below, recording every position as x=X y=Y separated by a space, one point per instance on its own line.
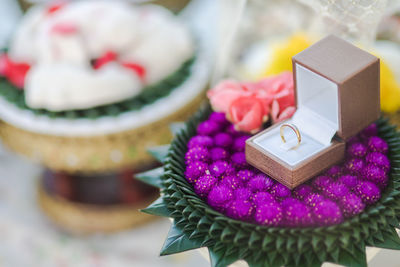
x=247 y=114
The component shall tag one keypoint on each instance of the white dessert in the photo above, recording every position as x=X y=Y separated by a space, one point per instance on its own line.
x=60 y=47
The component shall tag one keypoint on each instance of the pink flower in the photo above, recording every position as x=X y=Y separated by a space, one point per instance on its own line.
x=278 y=115
x=248 y=104
x=247 y=113
x=278 y=93
x=225 y=93
x=279 y=88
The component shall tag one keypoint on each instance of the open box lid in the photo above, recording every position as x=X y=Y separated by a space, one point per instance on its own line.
x=337 y=89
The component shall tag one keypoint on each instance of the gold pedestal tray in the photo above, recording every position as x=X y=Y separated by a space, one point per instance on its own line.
x=173 y=5
x=78 y=218
x=95 y=153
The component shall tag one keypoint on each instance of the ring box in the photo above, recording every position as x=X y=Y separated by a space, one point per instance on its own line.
x=337 y=95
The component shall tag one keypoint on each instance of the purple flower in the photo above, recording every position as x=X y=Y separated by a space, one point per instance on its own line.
x=280 y=191
x=378 y=159
x=262 y=198
x=355 y=166
x=239 y=160
x=239 y=144
x=208 y=128
x=377 y=144
x=230 y=185
x=368 y=192
x=302 y=191
x=218 y=117
x=269 y=214
x=313 y=199
x=326 y=213
x=371 y=130
x=200 y=140
x=260 y=183
x=337 y=191
x=194 y=170
x=376 y=175
x=197 y=154
x=240 y=209
x=353 y=140
x=322 y=182
x=242 y=193
x=349 y=180
x=219 y=196
x=232 y=131
x=245 y=175
x=297 y=214
x=232 y=181
x=351 y=205
x=220 y=168
x=288 y=201
x=204 y=184
x=223 y=140
x=334 y=171
x=357 y=150
x=218 y=153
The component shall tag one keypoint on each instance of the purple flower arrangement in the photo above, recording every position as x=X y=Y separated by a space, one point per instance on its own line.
x=216 y=167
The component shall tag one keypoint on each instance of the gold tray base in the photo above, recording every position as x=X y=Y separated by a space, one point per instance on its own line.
x=111 y=152
x=84 y=219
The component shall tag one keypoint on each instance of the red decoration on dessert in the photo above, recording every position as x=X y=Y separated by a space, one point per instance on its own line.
x=108 y=57
x=111 y=56
x=15 y=72
x=140 y=70
x=55 y=7
x=64 y=28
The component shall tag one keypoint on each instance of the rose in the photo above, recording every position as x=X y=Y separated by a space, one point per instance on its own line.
x=278 y=115
x=248 y=105
x=239 y=101
x=248 y=114
x=281 y=90
x=225 y=93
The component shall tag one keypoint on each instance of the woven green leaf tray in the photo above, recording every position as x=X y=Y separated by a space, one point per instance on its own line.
x=197 y=225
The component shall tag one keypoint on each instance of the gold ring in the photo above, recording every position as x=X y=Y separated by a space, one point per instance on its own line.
x=295 y=130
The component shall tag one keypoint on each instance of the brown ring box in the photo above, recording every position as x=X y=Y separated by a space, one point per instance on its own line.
x=337 y=95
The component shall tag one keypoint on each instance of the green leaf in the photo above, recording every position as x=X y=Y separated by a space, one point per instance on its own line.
x=357 y=259
x=219 y=259
x=177 y=242
x=315 y=241
x=160 y=153
x=240 y=237
x=158 y=208
x=152 y=177
x=391 y=240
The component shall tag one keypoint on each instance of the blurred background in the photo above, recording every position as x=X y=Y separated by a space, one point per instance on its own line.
x=62 y=206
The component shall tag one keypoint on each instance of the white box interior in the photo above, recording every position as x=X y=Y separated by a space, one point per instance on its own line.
x=316 y=118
